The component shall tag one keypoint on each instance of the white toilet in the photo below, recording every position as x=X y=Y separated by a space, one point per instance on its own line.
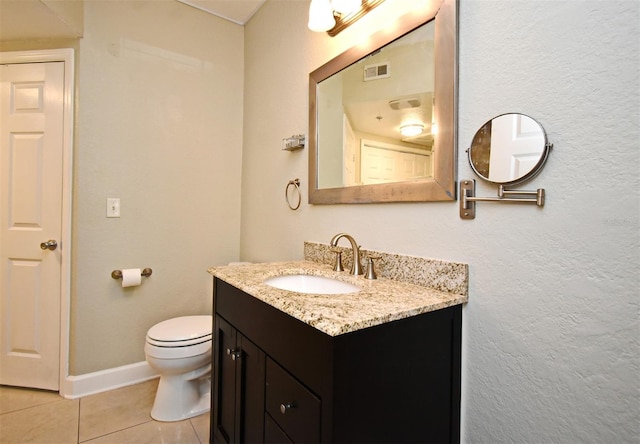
x=180 y=350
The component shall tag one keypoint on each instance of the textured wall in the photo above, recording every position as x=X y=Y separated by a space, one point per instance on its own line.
x=159 y=125
x=551 y=332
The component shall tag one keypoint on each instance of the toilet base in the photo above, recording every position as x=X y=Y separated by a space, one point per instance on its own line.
x=182 y=396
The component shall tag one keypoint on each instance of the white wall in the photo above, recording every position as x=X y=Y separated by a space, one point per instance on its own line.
x=551 y=350
x=159 y=125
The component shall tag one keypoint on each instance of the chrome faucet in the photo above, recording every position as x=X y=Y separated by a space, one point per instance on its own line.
x=356 y=268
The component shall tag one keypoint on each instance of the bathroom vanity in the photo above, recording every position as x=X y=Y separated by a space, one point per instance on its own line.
x=380 y=365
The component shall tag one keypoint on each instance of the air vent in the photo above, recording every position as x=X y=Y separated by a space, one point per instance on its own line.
x=377 y=71
x=398 y=104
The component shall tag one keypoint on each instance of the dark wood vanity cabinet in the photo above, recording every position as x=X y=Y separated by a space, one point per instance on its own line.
x=279 y=380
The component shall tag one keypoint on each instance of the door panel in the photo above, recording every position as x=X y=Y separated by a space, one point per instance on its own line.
x=31 y=169
x=522 y=135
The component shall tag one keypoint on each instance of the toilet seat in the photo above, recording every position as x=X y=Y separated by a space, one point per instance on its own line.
x=186 y=343
x=181 y=337
x=181 y=332
x=177 y=352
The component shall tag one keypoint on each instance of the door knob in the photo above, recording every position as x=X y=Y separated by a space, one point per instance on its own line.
x=49 y=245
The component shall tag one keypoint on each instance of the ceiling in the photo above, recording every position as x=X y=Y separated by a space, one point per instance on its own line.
x=35 y=19
x=237 y=11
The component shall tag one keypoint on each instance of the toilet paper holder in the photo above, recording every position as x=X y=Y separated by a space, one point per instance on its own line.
x=117 y=274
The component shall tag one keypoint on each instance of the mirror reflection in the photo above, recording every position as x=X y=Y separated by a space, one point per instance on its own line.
x=376 y=116
x=509 y=149
x=375 y=108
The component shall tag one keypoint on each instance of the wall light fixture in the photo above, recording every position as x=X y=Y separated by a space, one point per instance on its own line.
x=333 y=16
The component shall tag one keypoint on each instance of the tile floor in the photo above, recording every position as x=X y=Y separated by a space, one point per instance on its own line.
x=119 y=416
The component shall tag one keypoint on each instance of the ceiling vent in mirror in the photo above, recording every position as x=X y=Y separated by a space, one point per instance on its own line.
x=404 y=103
x=377 y=71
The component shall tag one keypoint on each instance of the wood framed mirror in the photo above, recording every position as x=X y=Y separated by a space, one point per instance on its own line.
x=363 y=103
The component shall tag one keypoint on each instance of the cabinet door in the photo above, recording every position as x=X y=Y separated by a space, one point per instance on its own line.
x=238 y=387
x=251 y=399
x=224 y=385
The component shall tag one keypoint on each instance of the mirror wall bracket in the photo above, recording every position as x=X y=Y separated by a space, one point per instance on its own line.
x=468 y=197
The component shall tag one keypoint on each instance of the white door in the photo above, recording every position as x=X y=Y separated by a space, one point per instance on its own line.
x=523 y=137
x=31 y=173
x=378 y=165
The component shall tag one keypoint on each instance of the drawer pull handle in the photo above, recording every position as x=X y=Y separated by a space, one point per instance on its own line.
x=235 y=354
x=286 y=406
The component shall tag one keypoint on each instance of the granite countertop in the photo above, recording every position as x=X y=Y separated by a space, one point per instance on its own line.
x=380 y=300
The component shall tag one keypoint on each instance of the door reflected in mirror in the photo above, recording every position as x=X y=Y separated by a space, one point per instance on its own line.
x=377 y=116
x=509 y=149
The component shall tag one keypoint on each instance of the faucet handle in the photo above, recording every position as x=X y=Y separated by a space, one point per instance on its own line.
x=337 y=264
x=371 y=273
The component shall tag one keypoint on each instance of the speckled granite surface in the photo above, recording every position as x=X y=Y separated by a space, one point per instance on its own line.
x=379 y=301
x=451 y=277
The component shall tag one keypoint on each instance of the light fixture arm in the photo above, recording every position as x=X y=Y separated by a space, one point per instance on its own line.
x=320 y=12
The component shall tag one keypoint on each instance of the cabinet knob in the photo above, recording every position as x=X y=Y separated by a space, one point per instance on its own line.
x=286 y=406
x=235 y=354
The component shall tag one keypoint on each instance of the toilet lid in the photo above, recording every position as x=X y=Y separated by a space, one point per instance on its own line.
x=185 y=328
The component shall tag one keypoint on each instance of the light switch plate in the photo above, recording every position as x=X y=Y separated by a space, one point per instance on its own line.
x=113 y=207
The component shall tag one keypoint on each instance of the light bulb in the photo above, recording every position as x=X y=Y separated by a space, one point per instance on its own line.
x=321 y=16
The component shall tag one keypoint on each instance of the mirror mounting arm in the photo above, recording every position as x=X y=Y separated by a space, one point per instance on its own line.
x=468 y=197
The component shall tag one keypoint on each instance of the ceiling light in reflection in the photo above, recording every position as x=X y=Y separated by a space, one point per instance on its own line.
x=411 y=130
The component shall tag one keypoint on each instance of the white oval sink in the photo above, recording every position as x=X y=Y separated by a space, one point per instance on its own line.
x=304 y=283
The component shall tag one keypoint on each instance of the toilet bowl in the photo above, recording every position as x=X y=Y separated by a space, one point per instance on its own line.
x=179 y=349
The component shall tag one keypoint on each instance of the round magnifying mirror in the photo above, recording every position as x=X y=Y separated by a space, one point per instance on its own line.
x=509 y=149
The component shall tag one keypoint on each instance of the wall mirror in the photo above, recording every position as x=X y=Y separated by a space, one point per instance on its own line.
x=382 y=115
x=507 y=150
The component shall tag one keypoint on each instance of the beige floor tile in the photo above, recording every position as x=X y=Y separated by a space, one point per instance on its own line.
x=115 y=410
x=15 y=398
x=201 y=424
x=54 y=422
x=152 y=432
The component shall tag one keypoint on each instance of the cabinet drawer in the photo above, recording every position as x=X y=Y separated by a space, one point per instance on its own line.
x=272 y=433
x=292 y=405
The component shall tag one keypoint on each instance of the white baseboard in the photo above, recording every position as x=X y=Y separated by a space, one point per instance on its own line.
x=88 y=384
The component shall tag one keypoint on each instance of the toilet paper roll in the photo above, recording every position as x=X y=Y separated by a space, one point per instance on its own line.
x=131 y=277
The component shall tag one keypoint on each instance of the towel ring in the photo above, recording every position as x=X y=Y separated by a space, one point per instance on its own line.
x=295 y=183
